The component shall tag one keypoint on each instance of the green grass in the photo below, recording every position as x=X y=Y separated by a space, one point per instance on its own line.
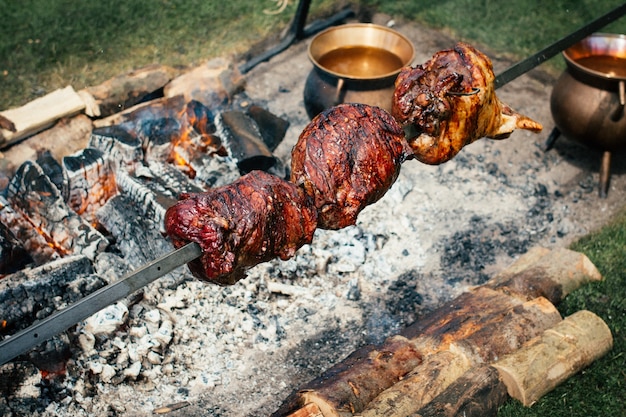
x=47 y=44
x=600 y=390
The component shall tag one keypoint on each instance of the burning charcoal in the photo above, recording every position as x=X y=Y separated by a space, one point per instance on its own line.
x=214 y=171
x=138 y=235
x=33 y=242
x=150 y=205
x=91 y=182
x=201 y=118
x=121 y=148
x=53 y=170
x=34 y=293
x=272 y=127
x=32 y=194
x=166 y=181
x=245 y=142
x=13 y=256
x=158 y=136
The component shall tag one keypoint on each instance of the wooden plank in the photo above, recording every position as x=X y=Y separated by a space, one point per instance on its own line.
x=40 y=113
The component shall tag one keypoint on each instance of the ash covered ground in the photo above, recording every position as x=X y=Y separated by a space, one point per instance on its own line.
x=241 y=350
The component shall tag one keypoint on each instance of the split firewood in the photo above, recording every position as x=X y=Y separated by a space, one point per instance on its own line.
x=420 y=386
x=127 y=90
x=39 y=114
x=309 y=410
x=477 y=393
x=551 y=358
x=66 y=137
x=552 y=274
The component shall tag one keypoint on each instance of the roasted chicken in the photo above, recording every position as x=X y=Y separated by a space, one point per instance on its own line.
x=449 y=102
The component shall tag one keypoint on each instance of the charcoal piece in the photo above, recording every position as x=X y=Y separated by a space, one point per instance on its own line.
x=158 y=137
x=54 y=170
x=34 y=243
x=200 y=117
x=13 y=255
x=138 y=236
x=214 y=171
x=121 y=148
x=146 y=202
x=34 y=293
x=33 y=195
x=91 y=182
x=167 y=180
x=273 y=128
x=246 y=145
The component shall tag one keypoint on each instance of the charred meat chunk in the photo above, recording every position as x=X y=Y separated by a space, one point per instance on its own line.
x=239 y=225
x=347 y=158
x=450 y=101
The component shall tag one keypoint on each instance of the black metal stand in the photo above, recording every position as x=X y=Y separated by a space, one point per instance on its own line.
x=297 y=32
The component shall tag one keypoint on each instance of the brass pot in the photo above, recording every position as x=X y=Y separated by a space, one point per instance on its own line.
x=355 y=63
x=587 y=101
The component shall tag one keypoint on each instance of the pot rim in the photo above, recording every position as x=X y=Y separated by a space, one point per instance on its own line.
x=368 y=26
x=604 y=44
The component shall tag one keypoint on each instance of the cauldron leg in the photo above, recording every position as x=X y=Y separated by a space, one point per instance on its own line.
x=605 y=174
x=554 y=135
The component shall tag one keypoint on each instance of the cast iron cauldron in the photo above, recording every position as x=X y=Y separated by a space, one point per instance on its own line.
x=356 y=63
x=587 y=101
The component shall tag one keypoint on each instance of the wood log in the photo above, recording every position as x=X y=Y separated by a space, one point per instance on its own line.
x=347 y=388
x=551 y=358
x=420 y=386
x=553 y=274
x=309 y=410
x=510 y=331
x=462 y=316
x=477 y=393
x=127 y=90
x=213 y=83
x=66 y=137
x=40 y=114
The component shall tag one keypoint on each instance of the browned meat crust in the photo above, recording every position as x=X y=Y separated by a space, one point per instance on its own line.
x=347 y=158
x=253 y=220
x=450 y=102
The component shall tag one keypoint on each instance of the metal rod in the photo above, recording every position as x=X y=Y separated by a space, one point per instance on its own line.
x=538 y=58
x=62 y=320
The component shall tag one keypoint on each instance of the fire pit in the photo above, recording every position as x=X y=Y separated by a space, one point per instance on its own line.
x=241 y=350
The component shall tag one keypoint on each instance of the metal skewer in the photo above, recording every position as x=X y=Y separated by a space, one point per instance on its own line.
x=62 y=320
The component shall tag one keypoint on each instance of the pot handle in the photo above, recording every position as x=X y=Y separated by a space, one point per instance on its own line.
x=619 y=112
x=339 y=91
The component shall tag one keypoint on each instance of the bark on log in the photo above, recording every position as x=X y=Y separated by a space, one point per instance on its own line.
x=39 y=114
x=126 y=90
x=550 y=274
x=508 y=332
x=347 y=387
x=477 y=393
x=462 y=316
x=420 y=386
x=560 y=352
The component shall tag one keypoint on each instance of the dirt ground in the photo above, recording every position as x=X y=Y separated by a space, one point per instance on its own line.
x=240 y=351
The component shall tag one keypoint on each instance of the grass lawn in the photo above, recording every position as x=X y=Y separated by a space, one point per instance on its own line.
x=48 y=44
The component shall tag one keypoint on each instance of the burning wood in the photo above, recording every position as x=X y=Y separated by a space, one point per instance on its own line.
x=91 y=182
x=36 y=198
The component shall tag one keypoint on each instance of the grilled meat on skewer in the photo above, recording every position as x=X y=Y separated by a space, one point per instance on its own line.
x=347 y=158
x=252 y=220
x=450 y=102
